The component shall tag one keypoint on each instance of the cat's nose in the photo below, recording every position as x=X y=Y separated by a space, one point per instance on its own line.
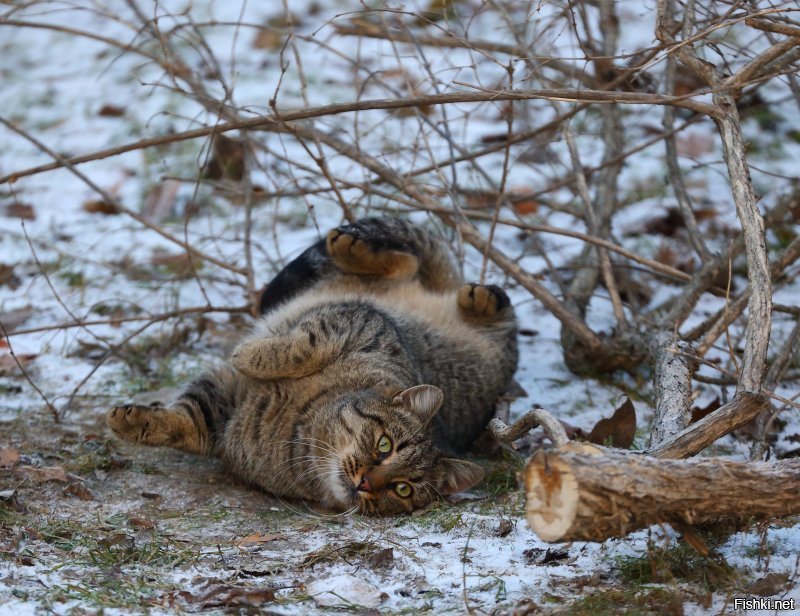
x=364 y=485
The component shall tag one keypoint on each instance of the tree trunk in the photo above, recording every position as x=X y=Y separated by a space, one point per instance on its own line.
x=580 y=492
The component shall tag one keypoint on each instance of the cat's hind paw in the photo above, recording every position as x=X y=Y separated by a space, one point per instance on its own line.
x=483 y=301
x=355 y=254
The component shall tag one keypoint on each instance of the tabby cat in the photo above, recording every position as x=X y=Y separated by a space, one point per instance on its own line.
x=371 y=366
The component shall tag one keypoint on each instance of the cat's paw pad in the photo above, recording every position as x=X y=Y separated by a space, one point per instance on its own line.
x=131 y=420
x=344 y=245
x=356 y=255
x=482 y=300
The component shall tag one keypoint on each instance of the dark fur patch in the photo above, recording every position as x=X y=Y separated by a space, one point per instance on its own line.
x=300 y=274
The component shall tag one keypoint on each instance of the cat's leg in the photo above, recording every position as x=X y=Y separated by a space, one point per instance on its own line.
x=484 y=303
x=193 y=423
x=393 y=249
x=354 y=253
x=488 y=309
x=312 y=343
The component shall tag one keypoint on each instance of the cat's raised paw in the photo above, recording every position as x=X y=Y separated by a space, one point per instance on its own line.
x=479 y=300
x=355 y=255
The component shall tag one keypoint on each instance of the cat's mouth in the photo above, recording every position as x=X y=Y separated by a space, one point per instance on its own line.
x=339 y=485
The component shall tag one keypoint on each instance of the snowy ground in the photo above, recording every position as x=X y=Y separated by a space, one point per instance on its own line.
x=133 y=529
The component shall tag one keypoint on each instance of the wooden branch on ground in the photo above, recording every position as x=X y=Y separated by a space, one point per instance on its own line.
x=532 y=419
x=741 y=409
x=580 y=492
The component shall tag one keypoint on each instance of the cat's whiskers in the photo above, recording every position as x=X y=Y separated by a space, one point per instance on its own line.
x=325 y=445
x=318 y=473
x=428 y=487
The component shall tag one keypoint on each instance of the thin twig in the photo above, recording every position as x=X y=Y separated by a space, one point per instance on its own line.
x=108 y=197
x=28 y=378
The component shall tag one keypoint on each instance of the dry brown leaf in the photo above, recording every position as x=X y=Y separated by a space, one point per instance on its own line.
x=269 y=38
x=224 y=595
x=227 y=160
x=526 y=206
x=769 y=585
x=180 y=264
x=20 y=210
x=256 y=538
x=8 y=277
x=12 y=319
x=141 y=522
x=479 y=201
x=8 y=457
x=382 y=559
x=48 y=473
x=79 y=490
x=98 y=206
x=9 y=366
x=617 y=430
x=111 y=111
x=699 y=413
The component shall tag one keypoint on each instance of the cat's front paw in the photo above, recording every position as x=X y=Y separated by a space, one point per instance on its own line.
x=130 y=421
x=479 y=300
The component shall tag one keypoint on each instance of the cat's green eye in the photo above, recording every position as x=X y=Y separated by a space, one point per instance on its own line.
x=384 y=444
x=403 y=489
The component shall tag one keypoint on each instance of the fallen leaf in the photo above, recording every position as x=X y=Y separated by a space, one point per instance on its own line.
x=768 y=585
x=8 y=277
x=669 y=223
x=9 y=365
x=552 y=555
x=111 y=111
x=99 y=206
x=261 y=568
x=80 y=490
x=269 y=38
x=256 y=538
x=116 y=539
x=8 y=457
x=11 y=501
x=181 y=264
x=540 y=556
x=227 y=159
x=699 y=413
x=12 y=319
x=344 y=590
x=504 y=528
x=225 y=595
x=141 y=523
x=47 y=473
x=526 y=206
x=617 y=430
x=20 y=210
x=383 y=559
x=331 y=553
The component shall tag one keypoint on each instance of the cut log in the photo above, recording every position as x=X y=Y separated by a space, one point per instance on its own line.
x=580 y=492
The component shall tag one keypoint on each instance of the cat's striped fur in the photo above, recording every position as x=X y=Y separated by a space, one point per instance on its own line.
x=371 y=365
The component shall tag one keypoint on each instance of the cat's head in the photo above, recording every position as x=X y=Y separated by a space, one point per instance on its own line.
x=386 y=461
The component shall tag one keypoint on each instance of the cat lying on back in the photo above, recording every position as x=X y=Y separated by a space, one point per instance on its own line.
x=371 y=366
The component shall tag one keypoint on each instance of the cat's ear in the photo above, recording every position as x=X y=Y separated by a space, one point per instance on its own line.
x=458 y=475
x=424 y=400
